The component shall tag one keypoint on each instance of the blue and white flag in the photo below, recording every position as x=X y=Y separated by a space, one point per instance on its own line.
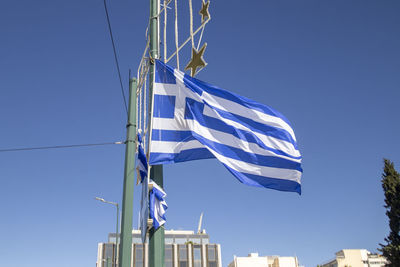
x=195 y=120
x=157 y=205
x=143 y=171
x=142 y=160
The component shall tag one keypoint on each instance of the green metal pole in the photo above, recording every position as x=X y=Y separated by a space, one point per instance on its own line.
x=156 y=237
x=116 y=236
x=127 y=199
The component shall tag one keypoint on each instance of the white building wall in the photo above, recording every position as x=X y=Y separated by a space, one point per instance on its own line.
x=203 y=255
x=187 y=235
x=219 y=255
x=145 y=255
x=99 y=255
x=287 y=262
x=356 y=258
x=175 y=254
x=253 y=260
x=190 y=256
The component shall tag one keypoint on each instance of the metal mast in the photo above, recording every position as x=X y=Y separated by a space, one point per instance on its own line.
x=127 y=199
x=156 y=237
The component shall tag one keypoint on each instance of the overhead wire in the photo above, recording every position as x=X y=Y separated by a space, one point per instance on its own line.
x=122 y=91
x=60 y=146
x=115 y=55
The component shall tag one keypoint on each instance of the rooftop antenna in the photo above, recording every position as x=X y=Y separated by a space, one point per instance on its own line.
x=200 y=221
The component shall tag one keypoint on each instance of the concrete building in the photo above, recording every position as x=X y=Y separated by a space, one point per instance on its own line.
x=182 y=249
x=355 y=258
x=253 y=260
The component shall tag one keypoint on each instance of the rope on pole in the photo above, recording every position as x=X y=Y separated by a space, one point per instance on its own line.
x=176 y=35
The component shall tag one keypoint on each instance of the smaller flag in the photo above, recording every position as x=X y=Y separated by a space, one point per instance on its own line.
x=142 y=159
x=142 y=172
x=158 y=206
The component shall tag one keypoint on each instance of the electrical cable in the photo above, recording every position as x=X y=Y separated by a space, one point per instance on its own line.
x=61 y=146
x=115 y=55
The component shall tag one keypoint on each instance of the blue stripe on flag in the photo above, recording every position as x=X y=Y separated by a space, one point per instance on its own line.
x=142 y=157
x=166 y=104
x=263 y=181
x=182 y=156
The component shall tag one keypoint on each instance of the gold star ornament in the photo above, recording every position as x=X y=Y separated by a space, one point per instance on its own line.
x=197 y=60
x=204 y=11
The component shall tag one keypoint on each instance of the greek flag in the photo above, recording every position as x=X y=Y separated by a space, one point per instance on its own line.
x=196 y=120
x=157 y=204
x=142 y=169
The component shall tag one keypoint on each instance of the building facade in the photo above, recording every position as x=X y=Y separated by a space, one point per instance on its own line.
x=356 y=258
x=182 y=249
x=253 y=260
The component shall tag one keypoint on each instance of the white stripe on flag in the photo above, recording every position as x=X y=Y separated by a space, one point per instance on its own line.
x=217 y=136
x=174 y=147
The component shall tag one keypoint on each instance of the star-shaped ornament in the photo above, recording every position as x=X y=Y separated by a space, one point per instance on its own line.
x=204 y=11
x=197 y=60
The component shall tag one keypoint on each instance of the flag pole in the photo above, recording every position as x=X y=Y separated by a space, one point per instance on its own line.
x=125 y=247
x=156 y=237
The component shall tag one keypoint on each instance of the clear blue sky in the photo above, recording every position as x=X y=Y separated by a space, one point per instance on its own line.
x=331 y=67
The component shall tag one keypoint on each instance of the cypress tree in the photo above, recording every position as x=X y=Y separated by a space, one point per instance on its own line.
x=391 y=188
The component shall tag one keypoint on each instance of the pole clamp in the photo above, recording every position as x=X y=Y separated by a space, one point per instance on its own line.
x=130 y=124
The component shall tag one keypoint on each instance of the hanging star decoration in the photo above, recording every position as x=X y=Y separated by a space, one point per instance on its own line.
x=197 y=60
x=204 y=11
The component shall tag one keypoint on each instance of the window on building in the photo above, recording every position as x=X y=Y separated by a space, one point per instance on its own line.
x=182 y=256
x=180 y=240
x=197 y=259
x=136 y=240
x=195 y=240
x=109 y=252
x=169 y=256
x=169 y=240
x=212 y=256
x=138 y=256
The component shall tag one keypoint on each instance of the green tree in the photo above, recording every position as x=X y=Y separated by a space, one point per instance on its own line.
x=391 y=187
